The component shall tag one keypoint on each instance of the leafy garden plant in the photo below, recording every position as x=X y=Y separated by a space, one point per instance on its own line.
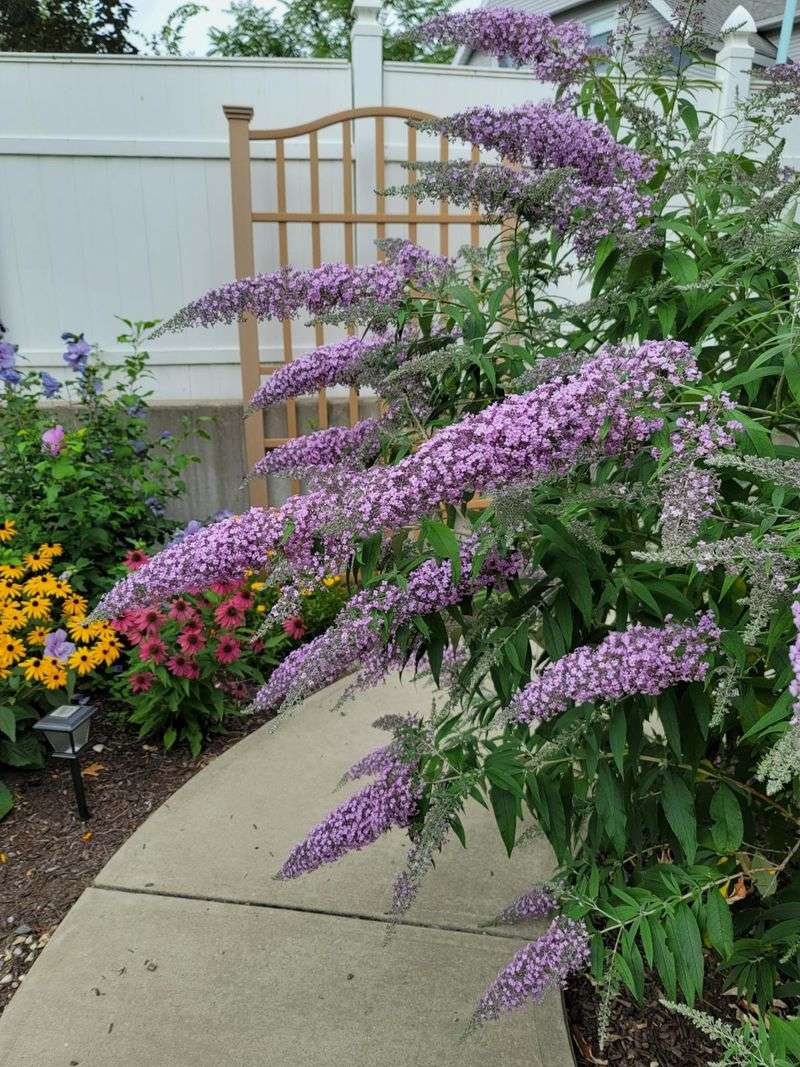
x=199 y=657
x=49 y=650
x=77 y=463
x=579 y=515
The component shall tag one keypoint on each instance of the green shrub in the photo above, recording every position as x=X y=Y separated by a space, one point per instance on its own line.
x=87 y=475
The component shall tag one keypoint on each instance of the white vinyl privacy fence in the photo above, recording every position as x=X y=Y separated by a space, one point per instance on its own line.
x=115 y=183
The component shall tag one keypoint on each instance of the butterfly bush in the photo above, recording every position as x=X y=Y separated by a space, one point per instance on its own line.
x=557 y=53
x=547 y=136
x=641 y=659
x=338 y=445
x=529 y=436
x=282 y=294
x=356 y=638
x=609 y=623
x=334 y=364
x=390 y=801
x=543 y=964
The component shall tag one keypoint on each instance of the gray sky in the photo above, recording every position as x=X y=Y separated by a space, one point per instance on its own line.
x=150 y=15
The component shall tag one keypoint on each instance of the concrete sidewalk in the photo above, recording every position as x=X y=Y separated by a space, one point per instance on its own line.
x=186 y=952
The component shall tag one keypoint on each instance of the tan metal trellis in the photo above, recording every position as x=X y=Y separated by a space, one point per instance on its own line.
x=244 y=218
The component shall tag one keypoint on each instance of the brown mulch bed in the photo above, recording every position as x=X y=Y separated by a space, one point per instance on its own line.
x=645 y=1035
x=48 y=856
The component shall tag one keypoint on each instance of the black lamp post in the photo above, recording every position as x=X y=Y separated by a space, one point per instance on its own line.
x=67 y=730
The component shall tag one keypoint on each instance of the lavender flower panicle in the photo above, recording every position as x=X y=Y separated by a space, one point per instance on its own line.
x=538 y=966
x=347 y=446
x=355 y=638
x=283 y=293
x=641 y=659
x=535 y=903
x=334 y=364
x=782 y=763
x=525 y=437
x=389 y=801
x=547 y=136
x=556 y=52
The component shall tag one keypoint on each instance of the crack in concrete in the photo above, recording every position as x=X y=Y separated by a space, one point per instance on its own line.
x=304 y=908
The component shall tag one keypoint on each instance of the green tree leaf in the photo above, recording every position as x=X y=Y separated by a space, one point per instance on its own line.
x=678 y=805
x=727 y=829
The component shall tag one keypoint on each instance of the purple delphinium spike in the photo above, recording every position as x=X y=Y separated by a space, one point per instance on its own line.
x=538 y=966
x=641 y=659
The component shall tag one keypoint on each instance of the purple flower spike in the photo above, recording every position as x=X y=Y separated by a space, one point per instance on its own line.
x=557 y=53
x=537 y=967
x=363 y=818
x=641 y=659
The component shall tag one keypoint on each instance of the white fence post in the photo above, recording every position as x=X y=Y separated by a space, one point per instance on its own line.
x=366 y=65
x=734 y=67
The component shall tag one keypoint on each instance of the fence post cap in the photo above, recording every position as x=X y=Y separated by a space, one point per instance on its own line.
x=366 y=11
x=237 y=111
x=740 y=21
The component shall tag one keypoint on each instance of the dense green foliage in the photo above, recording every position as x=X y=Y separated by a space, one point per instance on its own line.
x=99 y=26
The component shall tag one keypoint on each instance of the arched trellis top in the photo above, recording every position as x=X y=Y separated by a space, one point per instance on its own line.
x=364 y=153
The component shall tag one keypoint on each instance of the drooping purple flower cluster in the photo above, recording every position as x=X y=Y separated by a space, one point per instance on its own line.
x=538 y=966
x=281 y=294
x=794 y=660
x=334 y=364
x=356 y=639
x=554 y=199
x=536 y=903
x=689 y=491
x=389 y=801
x=544 y=136
x=527 y=436
x=338 y=446
x=641 y=659
x=557 y=53
x=374 y=762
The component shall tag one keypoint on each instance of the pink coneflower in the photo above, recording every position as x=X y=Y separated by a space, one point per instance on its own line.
x=150 y=621
x=181 y=610
x=141 y=681
x=244 y=599
x=182 y=666
x=228 y=649
x=135 y=559
x=153 y=648
x=239 y=691
x=228 y=615
x=193 y=625
x=223 y=588
x=293 y=627
x=191 y=642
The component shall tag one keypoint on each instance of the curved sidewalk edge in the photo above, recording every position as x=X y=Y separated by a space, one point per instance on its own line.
x=187 y=952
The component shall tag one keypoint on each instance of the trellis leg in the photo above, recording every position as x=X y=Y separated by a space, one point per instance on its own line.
x=283 y=259
x=444 y=207
x=380 y=182
x=316 y=259
x=349 y=251
x=244 y=263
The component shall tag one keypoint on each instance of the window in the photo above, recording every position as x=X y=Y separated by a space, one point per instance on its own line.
x=600 y=29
